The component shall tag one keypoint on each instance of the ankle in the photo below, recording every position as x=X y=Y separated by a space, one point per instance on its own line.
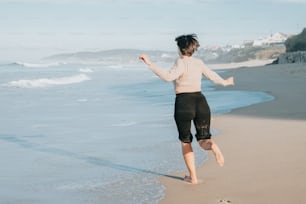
x=192 y=180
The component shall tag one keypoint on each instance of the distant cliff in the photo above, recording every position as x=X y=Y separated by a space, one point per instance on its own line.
x=296 y=42
x=111 y=56
x=247 y=53
x=295 y=50
x=291 y=57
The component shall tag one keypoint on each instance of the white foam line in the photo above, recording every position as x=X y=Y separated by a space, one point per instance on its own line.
x=47 y=82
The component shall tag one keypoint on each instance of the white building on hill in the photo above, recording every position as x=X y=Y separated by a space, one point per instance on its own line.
x=277 y=38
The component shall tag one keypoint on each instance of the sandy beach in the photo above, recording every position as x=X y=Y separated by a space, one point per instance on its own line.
x=263 y=145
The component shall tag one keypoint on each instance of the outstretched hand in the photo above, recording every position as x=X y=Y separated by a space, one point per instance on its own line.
x=230 y=81
x=145 y=59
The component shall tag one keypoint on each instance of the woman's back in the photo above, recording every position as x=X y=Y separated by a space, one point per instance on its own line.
x=190 y=79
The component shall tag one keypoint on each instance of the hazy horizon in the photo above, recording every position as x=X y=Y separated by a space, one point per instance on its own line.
x=34 y=29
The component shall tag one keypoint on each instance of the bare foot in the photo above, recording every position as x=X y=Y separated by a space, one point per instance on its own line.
x=190 y=180
x=218 y=154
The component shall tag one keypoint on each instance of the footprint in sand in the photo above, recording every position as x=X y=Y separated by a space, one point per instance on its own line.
x=224 y=201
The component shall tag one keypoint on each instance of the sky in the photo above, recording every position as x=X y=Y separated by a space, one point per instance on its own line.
x=32 y=29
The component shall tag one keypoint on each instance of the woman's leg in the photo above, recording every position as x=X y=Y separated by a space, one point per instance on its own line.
x=189 y=158
x=209 y=144
x=184 y=114
x=202 y=125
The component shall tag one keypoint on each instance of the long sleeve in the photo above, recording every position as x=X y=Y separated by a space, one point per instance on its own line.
x=187 y=74
x=175 y=72
x=213 y=76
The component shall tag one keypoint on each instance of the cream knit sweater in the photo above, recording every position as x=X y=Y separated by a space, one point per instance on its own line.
x=187 y=74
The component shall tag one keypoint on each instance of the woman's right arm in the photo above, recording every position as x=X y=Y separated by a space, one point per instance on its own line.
x=170 y=75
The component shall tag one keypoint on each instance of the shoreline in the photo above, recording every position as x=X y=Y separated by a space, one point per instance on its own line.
x=263 y=144
x=235 y=65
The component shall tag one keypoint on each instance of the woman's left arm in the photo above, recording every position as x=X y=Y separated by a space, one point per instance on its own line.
x=216 y=78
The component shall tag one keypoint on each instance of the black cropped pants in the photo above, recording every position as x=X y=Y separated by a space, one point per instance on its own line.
x=192 y=107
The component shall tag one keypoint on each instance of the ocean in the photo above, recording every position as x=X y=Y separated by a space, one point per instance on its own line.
x=93 y=133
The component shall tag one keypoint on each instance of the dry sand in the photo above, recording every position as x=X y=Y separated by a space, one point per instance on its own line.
x=264 y=145
x=250 y=63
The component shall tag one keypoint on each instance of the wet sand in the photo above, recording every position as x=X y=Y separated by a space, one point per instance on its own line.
x=263 y=144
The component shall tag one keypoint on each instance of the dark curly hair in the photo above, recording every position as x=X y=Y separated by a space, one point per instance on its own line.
x=187 y=44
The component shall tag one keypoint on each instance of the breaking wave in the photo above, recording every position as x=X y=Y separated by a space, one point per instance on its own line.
x=86 y=70
x=47 y=82
x=36 y=65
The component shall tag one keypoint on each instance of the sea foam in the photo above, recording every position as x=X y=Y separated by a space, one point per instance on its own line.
x=86 y=70
x=37 y=65
x=47 y=82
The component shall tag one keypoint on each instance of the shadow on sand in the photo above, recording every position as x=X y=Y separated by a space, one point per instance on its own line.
x=89 y=159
